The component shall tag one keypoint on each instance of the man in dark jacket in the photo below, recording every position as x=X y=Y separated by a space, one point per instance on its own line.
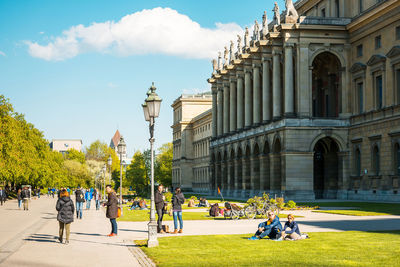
x=65 y=217
x=79 y=199
x=112 y=210
x=26 y=195
x=159 y=201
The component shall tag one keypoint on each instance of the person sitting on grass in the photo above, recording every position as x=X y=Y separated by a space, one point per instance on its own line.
x=294 y=231
x=135 y=204
x=271 y=228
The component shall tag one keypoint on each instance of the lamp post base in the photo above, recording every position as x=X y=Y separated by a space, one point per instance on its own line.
x=152 y=241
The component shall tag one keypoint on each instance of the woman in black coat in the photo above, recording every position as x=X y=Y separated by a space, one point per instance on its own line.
x=65 y=217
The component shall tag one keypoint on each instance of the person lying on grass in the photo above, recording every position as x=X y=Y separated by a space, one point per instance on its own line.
x=271 y=228
x=293 y=232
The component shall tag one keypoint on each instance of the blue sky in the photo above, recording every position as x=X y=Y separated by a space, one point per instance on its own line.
x=86 y=81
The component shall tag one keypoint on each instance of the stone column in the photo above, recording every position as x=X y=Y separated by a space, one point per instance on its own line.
x=266 y=90
x=244 y=177
x=256 y=94
x=289 y=86
x=226 y=107
x=240 y=105
x=248 y=99
x=214 y=112
x=217 y=175
x=232 y=105
x=220 y=112
x=276 y=84
x=304 y=81
x=236 y=177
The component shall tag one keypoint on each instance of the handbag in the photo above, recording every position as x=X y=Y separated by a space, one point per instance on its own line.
x=119 y=212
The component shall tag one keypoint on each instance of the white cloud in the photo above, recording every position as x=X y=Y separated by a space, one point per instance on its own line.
x=2 y=54
x=150 y=31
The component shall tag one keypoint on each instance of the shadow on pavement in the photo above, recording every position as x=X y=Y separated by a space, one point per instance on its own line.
x=42 y=238
x=87 y=234
x=129 y=230
x=357 y=225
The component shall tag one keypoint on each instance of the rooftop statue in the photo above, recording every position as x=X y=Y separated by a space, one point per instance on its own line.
x=264 y=24
x=214 y=65
x=277 y=16
x=291 y=13
x=226 y=54
x=256 y=32
x=246 y=38
x=231 y=54
x=219 y=61
x=239 y=45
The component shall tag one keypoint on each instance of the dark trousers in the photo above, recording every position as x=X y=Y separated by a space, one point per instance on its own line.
x=272 y=234
x=114 y=227
x=2 y=200
x=160 y=214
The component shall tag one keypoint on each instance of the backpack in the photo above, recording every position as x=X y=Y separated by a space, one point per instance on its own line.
x=214 y=210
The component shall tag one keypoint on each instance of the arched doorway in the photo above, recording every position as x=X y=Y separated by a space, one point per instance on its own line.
x=326 y=168
x=276 y=163
x=326 y=80
x=239 y=172
x=256 y=168
x=266 y=175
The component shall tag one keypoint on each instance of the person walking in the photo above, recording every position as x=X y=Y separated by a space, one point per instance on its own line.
x=3 y=195
x=88 y=198
x=112 y=210
x=65 y=216
x=19 y=198
x=177 y=200
x=79 y=199
x=97 y=198
x=159 y=201
x=26 y=195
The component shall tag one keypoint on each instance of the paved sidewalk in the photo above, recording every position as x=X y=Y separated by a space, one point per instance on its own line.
x=89 y=245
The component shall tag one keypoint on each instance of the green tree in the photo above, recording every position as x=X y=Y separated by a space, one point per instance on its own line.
x=163 y=165
x=76 y=155
x=137 y=174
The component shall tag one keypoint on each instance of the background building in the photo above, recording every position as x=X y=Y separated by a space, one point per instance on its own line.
x=114 y=145
x=191 y=142
x=310 y=106
x=63 y=145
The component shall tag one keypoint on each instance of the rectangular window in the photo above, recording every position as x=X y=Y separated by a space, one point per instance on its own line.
x=360 y=97
x=379 y=91
x=398 y=33
x=323 y=13
x=378 y=42
x=359 y=50
x=398 y=85
x=360 y=5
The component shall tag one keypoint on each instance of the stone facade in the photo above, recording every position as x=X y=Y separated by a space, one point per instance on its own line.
x=191 y=142
x=63 y=145
x=311 y=108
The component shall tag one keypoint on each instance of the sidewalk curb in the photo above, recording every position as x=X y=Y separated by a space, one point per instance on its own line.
x=139 y=254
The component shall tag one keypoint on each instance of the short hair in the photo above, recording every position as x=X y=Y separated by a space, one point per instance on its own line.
x=160 y=185
x=177 y=190
x=108 y=186
x=290 y=216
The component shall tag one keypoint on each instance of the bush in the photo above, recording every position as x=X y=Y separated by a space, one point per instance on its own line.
x=193 y=197
x=280 y=202
x=168 y=196
x=291 y=204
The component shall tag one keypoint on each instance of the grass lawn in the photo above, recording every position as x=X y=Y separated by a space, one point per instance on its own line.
x=363 y=208
x=322 y=249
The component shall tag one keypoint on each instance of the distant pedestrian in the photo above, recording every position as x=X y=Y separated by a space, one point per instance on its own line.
x=97 y=198
x=177 y=200
x=26 y=195
x=3 y=195
x=19 y=198
x=159 y=201
x=112 y=210
x=79 y=199
x=65 y=217
x=88 y=198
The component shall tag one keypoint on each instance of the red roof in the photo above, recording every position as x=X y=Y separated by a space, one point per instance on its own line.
x=116 y=138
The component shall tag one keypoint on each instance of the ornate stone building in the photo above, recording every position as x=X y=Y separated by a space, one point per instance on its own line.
x=310 y=106
x=191 y=142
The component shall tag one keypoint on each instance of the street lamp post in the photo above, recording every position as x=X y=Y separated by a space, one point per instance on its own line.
x=109 y=161
x=151 y=109
x=121 y=151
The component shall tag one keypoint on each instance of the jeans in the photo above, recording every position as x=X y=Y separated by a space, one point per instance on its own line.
x=88 y=204
x=271 y=233
x=39 y=194
x=97 y=204
x=19 y=203
x=178 y=215
x=160 y=215
x=114 y=227
x=67 y=230
x=79 y=207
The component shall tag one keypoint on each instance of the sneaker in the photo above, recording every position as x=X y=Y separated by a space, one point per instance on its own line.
x=254 y=238
x=60 y=239
x=279 y=239
x=180 y=231
x=66 y=242
x=162 y=232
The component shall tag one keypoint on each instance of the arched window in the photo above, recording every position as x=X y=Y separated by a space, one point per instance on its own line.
x=357 y=163
x=397 y=159
x=375 y=160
